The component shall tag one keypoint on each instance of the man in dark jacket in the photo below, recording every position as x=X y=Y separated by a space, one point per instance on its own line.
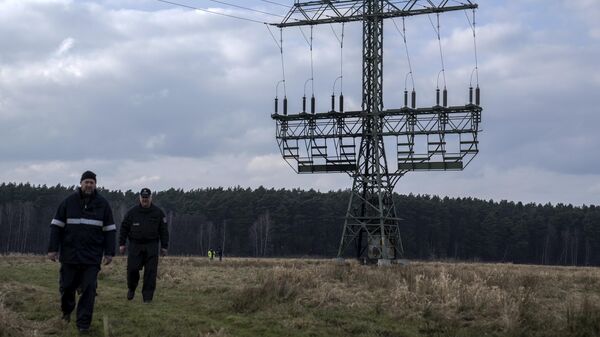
x=82 y=231
x=144 y=226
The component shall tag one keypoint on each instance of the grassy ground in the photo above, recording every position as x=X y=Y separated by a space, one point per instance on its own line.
x=284 y=297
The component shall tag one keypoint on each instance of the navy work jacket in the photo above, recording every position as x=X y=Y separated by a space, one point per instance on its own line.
x=83 y=229
x=145 y=225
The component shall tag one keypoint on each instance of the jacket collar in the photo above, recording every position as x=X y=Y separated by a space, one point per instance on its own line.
x=84 y=196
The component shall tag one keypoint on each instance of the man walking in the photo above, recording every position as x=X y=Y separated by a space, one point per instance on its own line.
x=144 y=226
x=82 y=231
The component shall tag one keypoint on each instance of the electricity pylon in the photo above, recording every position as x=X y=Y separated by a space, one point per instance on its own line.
x=326 y=141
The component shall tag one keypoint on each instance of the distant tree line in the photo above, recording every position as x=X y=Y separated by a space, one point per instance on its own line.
x=280 y=222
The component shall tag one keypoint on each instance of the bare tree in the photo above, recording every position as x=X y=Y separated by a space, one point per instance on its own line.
x=9 y=211
x=210 y=229
x=260 y=232
x=223 y=244
x=201 y=238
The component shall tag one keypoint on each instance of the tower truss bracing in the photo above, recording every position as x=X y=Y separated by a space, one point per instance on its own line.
x=440 y=137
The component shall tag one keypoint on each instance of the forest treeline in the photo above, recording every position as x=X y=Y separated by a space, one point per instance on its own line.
x=281 y=222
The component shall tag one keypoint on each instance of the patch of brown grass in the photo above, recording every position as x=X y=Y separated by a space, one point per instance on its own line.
x=509 y=299
x=13 y=324
x=440 y=299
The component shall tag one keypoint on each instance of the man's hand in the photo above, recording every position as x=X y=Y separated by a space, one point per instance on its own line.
x=52 y=256
x=107 y=259
x=163 y=252
x=122 y=249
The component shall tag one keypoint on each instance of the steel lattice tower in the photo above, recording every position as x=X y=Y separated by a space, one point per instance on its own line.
x=309 y=139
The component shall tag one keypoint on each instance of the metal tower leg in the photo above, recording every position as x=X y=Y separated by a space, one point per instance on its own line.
x=371 y=209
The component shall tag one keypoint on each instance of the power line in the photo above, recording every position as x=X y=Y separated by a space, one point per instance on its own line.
x=212 y=12
x=437 y=31
x=245 y=8
x=472 y=24
x=275 y=3
x=403 y=34
x=280 y=46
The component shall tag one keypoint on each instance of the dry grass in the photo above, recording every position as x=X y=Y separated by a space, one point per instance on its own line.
x=15 y=325
x=445 y=298
x=301 y=297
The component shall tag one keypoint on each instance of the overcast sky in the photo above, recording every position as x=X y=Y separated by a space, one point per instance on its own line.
x=151 y=94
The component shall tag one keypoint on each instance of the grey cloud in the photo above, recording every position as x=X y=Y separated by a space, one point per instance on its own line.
x=91 y=83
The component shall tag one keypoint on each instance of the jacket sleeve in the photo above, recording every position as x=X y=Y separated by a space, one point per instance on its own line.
x=57 y=227
x=110 y=229
x=125 y=228
x=164 y=231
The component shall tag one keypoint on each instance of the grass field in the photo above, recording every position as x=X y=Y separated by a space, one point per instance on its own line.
x=299 y=297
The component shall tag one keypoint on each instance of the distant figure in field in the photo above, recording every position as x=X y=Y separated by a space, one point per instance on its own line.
x=220 y=254
x=211 y=254
x=144 y=226
x=82 y=231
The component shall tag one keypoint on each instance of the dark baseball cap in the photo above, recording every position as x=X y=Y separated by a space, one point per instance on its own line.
x=145 y=192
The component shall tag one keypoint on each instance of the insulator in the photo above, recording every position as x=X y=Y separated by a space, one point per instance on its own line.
x=414 y=99
x=332 y=102
x=341 y=103
x=303 y=103
x=312 y=104
x=437 y=96
x=285 y=105
x=477 y=96
x=405 y=98
x=470 y=95
x=276 y=104
x=445 y=97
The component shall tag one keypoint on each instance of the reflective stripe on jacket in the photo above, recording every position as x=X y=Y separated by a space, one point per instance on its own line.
x=83 y=229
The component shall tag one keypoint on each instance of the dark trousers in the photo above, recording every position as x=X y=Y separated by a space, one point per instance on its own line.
x=143 y=255
x=79 y=276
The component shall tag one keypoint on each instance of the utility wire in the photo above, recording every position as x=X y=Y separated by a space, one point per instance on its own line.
x=310 y=45
x=403 y=34
x=275 y=3
x=437 y=30
x=245 y=8
x=341 y=41
x=280 y=45
x=212 y=12
x=312 y=72
x=476 y=70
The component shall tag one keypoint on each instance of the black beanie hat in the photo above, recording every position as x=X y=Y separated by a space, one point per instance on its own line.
x=88 y=175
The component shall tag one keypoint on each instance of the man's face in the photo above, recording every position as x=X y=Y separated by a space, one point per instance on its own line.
x=88 y=186
x=145 y=201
